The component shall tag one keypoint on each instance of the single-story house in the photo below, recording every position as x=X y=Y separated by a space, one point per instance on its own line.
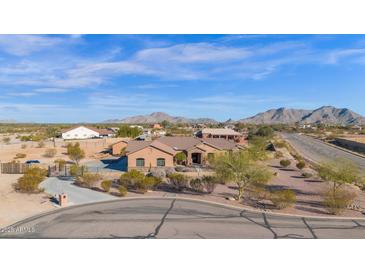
x=222 y=133
x=85 y=132
x=161 y=152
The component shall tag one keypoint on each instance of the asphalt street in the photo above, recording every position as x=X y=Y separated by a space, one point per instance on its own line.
x=319 y=151
x=151 y=218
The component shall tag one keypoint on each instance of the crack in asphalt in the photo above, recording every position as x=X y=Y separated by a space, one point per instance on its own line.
x=157 y=230
x=266 y=225
x=309 y=228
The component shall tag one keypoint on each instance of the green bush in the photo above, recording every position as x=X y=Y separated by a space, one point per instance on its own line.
x=106 y=185
x=283 y=198
x=31 y=179
x=336 y=202
x=89 y=179
x=131 y=178
x=178 y=181
x=285 y=163
x=123 y=191
x=196 y=184
x=301 y=165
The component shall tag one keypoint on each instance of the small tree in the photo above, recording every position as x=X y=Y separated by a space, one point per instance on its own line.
x=239 y=168
x=31 y=179
x=300 y=165
x=89 y=179
x=339 y=173
x=106 y=185
x=61 y=163
x=75 y=153
x=336 y=202
x=180 y=157
x=257 y=149
x=197 y=185
x=285 y=163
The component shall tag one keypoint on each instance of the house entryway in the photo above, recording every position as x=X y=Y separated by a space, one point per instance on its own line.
x=196 y=158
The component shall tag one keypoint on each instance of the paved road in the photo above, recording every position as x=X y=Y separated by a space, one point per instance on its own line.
x=177 y=218
x=76 y=195
x=318 y=151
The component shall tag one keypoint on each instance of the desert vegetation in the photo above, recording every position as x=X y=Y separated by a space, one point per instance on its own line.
x=29 y=182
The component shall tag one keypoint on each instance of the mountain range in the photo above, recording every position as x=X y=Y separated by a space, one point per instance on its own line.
x=158 y=117
x=322 y=115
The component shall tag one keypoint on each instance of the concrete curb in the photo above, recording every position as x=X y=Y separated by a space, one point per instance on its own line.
x=182 y=199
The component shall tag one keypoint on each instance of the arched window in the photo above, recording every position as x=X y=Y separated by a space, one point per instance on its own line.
x=160 y=161
x=140 y=162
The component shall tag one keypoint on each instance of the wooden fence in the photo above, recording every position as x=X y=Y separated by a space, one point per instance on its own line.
x=13 y=168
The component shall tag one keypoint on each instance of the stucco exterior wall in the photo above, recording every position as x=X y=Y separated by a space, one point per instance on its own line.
x=150 y=156
x=117 y=148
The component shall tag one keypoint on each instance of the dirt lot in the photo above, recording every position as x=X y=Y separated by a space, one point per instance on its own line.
x=17 y=206
x=93 y=149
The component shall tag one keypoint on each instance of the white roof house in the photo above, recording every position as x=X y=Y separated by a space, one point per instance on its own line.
x=83 y=132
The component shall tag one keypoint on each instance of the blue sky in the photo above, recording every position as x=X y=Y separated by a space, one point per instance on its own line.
x=91 y=78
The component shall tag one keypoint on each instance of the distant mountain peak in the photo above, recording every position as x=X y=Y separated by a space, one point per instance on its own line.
x=322 y=115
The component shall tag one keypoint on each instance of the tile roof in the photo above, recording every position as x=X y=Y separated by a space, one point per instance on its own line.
x=220 y=131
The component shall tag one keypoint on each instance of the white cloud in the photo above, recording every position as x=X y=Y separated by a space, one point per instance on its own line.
x=22 y=45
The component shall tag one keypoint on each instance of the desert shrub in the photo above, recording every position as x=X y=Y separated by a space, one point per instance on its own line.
x=123 y=191
x=61 y=163
x=180 y=157
x=280 y=144
x=307 y=174
x=50 y=153
x=20 y=155
x=169 y=170
x=297 y=157
x=179 y=168
x=178 y=181
x=300 y=165
x=336 y=202
x=159 y=173
x=279 y=154
x=41 y=144
x=89 y=179
x=209 y=183
x=31 y=179
x=131 y=178
x=24 y=146
x=197 y=185
x=285 y=163
x=283 y=198
x=6 y=140
x=74 y=170
x=106 y=185
x=148 y=183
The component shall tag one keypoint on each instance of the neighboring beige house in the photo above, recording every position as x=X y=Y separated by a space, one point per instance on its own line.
x=160 y=152
x=117 y=147
x=85 y=132
x=222 y=133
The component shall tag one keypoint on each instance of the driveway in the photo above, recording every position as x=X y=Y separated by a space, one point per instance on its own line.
x=178 y=218
x=319 y=151
x=76 y=195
